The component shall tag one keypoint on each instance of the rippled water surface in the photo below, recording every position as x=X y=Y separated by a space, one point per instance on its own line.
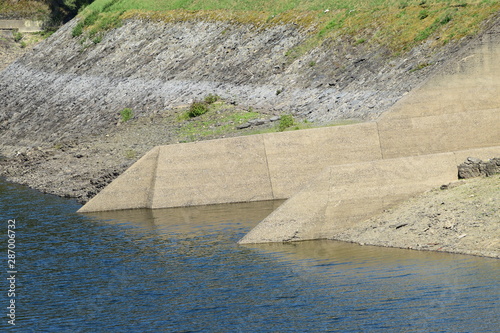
x=180 y=270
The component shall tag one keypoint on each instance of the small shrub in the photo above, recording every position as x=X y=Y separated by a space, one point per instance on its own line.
x=126 y=114
x=279 y=91
x=18 y=36
x=210 y=99
x=197 y=109
x=285 y=122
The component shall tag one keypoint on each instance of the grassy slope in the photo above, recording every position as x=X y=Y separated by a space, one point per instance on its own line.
x=397 y=24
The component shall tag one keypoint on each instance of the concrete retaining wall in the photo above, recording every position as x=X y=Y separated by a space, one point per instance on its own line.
x=241 y=169
x=277 y=165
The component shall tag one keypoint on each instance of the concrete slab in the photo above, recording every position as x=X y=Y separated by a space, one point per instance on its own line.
x=344 y=195
x=439 y=133
x=133 y=189
x=296 y=157
x=211 y=172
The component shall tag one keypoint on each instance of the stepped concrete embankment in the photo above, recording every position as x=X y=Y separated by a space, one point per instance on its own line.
x=346 y=173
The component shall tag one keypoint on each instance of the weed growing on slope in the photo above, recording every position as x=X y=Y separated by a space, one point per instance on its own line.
x=126 y=114
x=210 y=98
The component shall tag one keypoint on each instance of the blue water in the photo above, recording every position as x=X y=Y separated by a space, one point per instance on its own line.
x=180 y=270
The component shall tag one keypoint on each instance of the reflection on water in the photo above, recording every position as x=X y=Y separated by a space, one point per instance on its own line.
x=188 y=219
x=181 y=270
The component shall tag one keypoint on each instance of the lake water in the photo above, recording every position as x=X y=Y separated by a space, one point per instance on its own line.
x=181 y=270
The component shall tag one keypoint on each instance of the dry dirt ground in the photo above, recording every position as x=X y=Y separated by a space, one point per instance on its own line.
x=463 y=217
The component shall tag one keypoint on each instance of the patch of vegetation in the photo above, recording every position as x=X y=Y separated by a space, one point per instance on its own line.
x=197 y=109
x=17 y=36
x=97 y=22
x=221 y=119
x=423 y=14
x=78 y=29
x=420 y=66
x=285 y=122
x=130 y=154
x=210 y=98
x=126 y=114
x=25 y=9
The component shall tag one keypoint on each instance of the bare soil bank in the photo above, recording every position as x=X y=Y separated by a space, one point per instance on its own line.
x=463 y=217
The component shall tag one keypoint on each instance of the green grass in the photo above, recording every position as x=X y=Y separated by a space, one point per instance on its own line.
x=285 y=122
x=213 y=124
x=396 y=24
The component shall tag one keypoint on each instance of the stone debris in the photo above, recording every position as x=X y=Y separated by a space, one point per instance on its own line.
x=475 y=167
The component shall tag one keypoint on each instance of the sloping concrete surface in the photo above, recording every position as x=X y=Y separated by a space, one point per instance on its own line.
x=296 y=157
x=131 y=190
x=344 y=195
x=222 y=171
x=439 y=133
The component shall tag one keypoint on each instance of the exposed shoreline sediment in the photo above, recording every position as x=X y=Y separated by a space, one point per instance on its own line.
x=460 y=218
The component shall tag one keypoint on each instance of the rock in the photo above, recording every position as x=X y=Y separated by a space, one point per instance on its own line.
x=245 y=125
x=473 y=160
x=258 y=122
x=474 y=167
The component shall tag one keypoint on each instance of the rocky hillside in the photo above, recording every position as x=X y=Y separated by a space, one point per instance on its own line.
x=71 y=87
